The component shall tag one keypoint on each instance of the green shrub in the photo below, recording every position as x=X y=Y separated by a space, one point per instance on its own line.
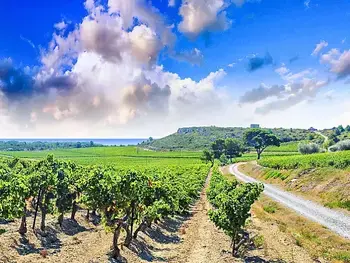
x=308 y=148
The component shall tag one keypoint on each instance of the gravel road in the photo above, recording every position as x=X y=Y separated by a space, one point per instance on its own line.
x=334 y=220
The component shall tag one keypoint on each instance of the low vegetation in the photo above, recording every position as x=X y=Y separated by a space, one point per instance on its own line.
x=232 y=202
x=340 y=146
x=308 y=148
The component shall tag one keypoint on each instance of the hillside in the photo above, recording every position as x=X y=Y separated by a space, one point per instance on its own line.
x=198 y=138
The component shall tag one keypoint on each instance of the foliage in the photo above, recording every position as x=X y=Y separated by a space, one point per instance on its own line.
x=124 y=197
x=224 y=160
x=340 y=146
x=207 y=157
x=233 y=148
x=232 y=203
x=260 y=139
x=339 y=160
x=200 y=138
x=308 y=148
x=218 y=148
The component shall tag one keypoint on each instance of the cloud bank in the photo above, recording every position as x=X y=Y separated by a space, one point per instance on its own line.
x=103 y=77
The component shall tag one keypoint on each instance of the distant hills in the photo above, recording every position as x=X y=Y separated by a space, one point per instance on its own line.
x=198 y=138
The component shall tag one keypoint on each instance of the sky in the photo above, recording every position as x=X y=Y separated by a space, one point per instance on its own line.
x=140 y=68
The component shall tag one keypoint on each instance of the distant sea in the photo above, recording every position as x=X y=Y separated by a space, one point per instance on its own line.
x=107 y=142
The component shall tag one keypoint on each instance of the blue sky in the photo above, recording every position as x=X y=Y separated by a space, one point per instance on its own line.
x=206 y=62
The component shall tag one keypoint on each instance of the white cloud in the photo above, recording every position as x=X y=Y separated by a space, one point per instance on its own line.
x=171 y=3
x=206 y=15
x=231 y=65
x=61 y=25
x=339 y=62
x=199 y=15
x=319 y=47
x=292 y=95
x=301 y=86
x=283 y=70
x=27 y=41
x=102 y=78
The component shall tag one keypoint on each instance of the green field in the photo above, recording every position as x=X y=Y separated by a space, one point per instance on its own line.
x=112 y=156
x=339 y=160
x=129 y=155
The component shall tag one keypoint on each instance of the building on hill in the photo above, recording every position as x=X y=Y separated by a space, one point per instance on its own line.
x=312 y=129
x=253 y=126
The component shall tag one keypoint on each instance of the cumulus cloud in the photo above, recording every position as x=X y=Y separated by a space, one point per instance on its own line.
x=262 y=93
x=296 y=93
x=255 y=63
x=102 y=76
x=301 y=86
x=206 y=16
x=199 y=15
x=319 y=47
x=339 y=62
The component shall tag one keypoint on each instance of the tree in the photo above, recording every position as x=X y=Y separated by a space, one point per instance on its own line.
x=207 y=157
x=233 y=148
x=260 y=140
x=341 y=128
x=218 y=148
x=347 y=128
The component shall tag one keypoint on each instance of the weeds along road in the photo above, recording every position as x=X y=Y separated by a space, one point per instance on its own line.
x=334 y=220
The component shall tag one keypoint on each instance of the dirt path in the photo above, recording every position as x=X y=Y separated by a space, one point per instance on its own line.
x=202 y=241
x=335 y=221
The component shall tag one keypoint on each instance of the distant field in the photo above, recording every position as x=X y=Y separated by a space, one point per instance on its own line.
x=129 y=155
x=112 y=155
x=338 y=160
x=285 y=147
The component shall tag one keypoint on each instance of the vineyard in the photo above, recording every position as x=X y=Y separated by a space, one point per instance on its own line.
x=339 y=160
x=126 y=199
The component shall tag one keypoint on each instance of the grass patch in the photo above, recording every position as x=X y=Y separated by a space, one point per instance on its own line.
x=258 y=241
x=2 y=231
x=270 y=208
x=339 y=204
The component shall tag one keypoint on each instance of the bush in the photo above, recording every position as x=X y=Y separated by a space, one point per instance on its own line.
x=310 y=148
x=340 y=146
x=224 y=160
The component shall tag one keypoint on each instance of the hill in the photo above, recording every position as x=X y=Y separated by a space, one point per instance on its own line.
x=198 y=138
